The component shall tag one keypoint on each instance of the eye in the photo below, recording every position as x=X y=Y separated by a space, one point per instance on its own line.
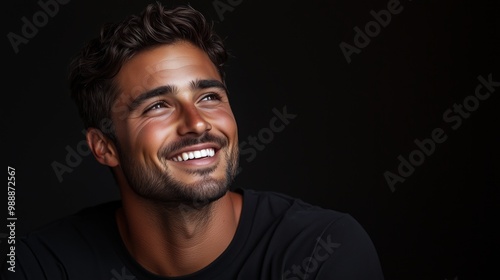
x=156 y=106
x=211 y=96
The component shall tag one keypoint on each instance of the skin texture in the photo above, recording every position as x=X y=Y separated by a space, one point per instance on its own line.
x=177 y=216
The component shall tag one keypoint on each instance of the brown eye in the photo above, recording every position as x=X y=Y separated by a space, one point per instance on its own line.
x=156 y=106
x=212 y=96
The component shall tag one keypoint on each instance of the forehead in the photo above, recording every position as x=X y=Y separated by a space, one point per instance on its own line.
x=176 y=65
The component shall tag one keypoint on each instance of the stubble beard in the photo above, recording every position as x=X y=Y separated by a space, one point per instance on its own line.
x=160 y=186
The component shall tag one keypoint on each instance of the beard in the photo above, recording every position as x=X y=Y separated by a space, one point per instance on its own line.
x=161 y=186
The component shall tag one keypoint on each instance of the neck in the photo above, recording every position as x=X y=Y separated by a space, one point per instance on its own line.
x=176 y=241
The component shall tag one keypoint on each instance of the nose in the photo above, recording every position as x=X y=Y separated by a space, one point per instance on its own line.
x=192 y=122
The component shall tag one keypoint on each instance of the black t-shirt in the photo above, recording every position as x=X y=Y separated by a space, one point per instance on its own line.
x=278 y=237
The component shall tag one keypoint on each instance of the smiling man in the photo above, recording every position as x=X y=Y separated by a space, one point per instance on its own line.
x=177 y=145
x=151 y=94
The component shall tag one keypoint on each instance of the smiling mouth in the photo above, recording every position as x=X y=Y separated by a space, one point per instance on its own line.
x=194 y=154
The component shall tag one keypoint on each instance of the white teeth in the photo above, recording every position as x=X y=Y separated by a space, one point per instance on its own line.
x=195 y=154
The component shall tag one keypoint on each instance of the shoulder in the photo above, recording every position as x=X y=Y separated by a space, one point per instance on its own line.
x=290 y=216
x=88 y=221
x=315 y=241
x=70 y=242
x=292 y=209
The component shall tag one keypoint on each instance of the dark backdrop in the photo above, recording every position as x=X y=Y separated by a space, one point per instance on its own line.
x=405 y=108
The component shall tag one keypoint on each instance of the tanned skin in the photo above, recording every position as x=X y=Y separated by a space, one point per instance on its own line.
x=165 y=232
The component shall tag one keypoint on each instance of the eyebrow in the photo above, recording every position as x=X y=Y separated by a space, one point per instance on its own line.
x=170 y=89
x=203 y=84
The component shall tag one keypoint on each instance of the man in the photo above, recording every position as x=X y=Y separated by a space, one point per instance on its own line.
x=151 y=94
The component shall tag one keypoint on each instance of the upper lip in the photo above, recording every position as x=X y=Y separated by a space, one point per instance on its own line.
x=193 y=148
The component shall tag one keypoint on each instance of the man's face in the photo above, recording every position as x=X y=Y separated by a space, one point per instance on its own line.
x=176 y=133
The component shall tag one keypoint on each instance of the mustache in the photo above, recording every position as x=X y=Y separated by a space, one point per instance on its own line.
x=189 y=141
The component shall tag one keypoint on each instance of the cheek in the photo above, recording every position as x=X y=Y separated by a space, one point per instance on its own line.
x=225 y=121
x=144 y=137
x=154 y=132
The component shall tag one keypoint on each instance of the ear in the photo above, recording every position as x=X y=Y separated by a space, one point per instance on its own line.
x=102 y=147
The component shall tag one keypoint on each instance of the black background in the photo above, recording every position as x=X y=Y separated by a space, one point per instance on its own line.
x=352 y=120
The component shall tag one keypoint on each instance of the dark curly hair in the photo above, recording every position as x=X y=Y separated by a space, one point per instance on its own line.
x=93 y=68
